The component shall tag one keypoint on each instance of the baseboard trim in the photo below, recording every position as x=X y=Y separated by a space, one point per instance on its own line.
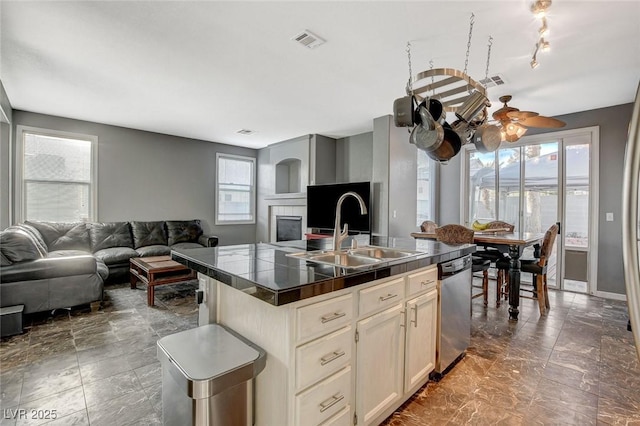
x=609 y=295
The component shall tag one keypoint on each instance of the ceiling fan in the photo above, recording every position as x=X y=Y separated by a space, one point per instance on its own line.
x=515 y=122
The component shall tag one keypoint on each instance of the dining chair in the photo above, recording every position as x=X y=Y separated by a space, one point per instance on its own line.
x=499 y=260
x=428 y=226
x=458 y=234
x=491 y=253
x=538 y=268
x=503 y=265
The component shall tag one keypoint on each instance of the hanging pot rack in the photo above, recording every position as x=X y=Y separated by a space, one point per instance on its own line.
x=450 y=86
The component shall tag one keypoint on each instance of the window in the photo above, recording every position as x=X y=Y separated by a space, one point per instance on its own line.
x=56 y=176
x=235 y=189
x=425 y=205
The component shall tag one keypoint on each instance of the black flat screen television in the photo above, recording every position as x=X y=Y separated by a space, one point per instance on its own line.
x=321 y=206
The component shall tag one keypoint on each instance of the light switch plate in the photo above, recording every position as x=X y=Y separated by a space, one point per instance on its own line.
x=609 y=217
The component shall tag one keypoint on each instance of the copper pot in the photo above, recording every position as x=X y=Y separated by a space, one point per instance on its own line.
x=449 y=147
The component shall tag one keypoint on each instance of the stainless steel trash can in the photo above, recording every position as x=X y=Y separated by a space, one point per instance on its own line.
x=207 y=377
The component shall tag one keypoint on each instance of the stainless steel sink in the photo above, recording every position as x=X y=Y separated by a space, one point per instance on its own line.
x=345 y=260
x=355 y=258
x=383 y=252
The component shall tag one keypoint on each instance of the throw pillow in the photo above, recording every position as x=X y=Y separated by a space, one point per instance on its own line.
x=184 y=231
x=17 y=245
x=148 y=234
x=33 y=231
x=111 y=234
x=63 y=235
x=4 y=261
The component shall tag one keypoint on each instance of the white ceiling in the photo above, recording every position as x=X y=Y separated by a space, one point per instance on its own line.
x=207 y=69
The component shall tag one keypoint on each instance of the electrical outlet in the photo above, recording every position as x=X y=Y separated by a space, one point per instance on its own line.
x=395 y=214
x=609 y=217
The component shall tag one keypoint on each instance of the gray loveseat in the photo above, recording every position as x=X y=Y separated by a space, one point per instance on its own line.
x=47 y=265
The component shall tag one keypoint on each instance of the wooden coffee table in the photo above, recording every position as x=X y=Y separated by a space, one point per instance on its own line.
x=157 y=270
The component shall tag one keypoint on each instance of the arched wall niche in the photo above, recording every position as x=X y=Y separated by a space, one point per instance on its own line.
x=288 y=176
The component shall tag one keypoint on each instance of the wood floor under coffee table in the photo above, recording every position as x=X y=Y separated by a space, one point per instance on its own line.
x=157 y=270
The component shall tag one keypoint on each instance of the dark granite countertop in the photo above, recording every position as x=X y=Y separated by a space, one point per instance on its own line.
x=266 y=272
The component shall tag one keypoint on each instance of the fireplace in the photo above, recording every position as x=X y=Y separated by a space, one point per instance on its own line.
x=288 y=228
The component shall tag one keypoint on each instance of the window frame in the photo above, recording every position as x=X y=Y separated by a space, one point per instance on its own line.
x=252 y=195
x=434 y=176
x=20 y=181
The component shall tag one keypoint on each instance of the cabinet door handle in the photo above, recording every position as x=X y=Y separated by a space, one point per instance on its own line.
x=427 y=282
x=387 y=297
x=331 y=357
x=415 y=316
x=325 y=405
x=333 y=316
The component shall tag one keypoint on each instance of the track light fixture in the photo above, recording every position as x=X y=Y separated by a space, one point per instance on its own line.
x=544 y=45
x=544 y=30
x=534 y=63
x=539 y=8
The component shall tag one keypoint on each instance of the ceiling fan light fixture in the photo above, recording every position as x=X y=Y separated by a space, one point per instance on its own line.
x=512 y=132
x=515 y=129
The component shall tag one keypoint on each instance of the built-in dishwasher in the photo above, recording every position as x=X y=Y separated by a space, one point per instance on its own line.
x=454 y=312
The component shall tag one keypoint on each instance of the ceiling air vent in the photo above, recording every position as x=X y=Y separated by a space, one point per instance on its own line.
x=308 y=39
x=493 y=81
x=246 y=132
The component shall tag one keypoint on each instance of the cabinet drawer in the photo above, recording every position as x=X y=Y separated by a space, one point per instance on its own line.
x=323 y=357
x=423 y=280
x=343 y=418
x=323 y=317
x=381 y=295
x=325 y=399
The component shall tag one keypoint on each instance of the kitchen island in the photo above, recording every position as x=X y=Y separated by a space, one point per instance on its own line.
x=344 y=345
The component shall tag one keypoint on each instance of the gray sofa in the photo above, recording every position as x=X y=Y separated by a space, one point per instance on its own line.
x=47 y=265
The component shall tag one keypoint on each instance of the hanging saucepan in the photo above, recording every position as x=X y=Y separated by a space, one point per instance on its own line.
x=449 y=147
x=487 y=137
x=475 y=103
x=403 y=112
x=464 y=130
x=434 y=107
x=437 y=111
x=428 y=134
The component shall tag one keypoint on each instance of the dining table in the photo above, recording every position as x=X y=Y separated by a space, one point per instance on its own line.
x=511 y=243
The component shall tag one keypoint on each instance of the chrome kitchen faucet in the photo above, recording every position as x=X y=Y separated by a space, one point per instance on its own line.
x=338 y=236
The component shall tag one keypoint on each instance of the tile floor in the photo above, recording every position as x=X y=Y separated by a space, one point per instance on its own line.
x=575 y=366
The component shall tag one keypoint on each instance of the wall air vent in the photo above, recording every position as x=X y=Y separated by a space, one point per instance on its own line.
x=308 y=39
x=493 y=81
x=246 y=132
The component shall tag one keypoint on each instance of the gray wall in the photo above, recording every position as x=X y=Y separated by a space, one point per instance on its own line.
x=354 y=157
x=614 y=125
x=380 y=175
x=5 y=175
x=449 y=187
x=403 y=183
x=322 y=160
x=151 y=176
x=386 y=158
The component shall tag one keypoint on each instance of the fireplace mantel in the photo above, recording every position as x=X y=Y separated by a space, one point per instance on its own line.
x=289 y=195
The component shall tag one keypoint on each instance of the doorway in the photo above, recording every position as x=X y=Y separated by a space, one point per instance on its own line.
x=536 y=182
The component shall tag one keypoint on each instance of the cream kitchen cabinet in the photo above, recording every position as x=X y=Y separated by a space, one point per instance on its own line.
x=420 y=346
x=395 y=348
x=352 y=355
x=380 y=358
